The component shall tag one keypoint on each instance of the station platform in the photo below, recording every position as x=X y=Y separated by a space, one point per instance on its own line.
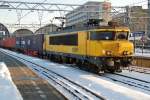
x=30 y=85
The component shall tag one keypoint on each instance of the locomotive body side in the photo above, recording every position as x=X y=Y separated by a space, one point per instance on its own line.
x=107 y=49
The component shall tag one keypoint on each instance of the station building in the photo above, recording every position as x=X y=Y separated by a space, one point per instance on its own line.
x=22 y=32
x=3 y=31
x=89 y=10
x=46 y=29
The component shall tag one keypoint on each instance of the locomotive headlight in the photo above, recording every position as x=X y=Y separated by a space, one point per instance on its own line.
x=108 y=53
x=131 y=53
x=125 y=53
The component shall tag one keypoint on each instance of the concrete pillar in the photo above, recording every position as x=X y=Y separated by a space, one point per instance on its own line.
x=127 y=18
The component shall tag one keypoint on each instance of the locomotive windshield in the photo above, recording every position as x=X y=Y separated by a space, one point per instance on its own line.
x=99 y=35
x=122 y=35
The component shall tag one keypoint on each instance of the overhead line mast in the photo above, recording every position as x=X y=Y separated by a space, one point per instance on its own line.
x=148 y=25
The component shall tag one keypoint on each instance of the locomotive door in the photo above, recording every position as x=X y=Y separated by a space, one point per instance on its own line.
x=82 y=43
x=89 y=45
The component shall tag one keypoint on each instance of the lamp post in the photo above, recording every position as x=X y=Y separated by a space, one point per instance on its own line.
x=51 y=21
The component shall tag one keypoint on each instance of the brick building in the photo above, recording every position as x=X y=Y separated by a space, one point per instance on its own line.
x=135 y=17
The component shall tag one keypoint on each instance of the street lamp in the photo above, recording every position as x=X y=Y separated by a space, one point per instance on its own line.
x=52 y=22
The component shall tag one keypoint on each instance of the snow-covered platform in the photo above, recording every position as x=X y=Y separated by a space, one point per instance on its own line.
x=8 y=90
x=28 y=83
x=142 y=53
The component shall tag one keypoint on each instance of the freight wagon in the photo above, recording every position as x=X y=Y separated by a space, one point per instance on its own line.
x=8 y=42
x=31 y=44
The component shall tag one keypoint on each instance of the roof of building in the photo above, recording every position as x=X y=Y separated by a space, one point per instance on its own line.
x=4 y=28
x=22 y=32
x=44 y=27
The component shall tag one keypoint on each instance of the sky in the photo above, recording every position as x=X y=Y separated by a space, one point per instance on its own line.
x=11 y=16
x=114 y=2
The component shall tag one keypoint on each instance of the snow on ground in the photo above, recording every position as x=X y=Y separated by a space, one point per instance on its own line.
x=98 y=84
x=138 y=52
x=136 y=75
x=8 y=90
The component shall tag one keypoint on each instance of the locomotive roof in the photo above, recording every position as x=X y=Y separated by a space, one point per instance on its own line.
x=89 y=29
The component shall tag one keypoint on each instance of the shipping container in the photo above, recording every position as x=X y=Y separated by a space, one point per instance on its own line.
x=9 y=42
x=18 y=43
x=31 y=45
x=1 y=43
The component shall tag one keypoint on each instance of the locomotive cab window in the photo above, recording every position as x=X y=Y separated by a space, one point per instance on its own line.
x=122 y=35
x=99 y=35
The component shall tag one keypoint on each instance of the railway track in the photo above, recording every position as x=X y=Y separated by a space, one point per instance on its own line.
x=133 y=82
x=81 y=92
x=139 y=69
x=76 y=90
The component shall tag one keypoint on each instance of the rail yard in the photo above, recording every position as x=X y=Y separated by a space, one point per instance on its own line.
x=53 y=73
x=81 y=50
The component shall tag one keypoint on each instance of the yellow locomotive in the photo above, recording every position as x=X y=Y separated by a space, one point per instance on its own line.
x=99 y=49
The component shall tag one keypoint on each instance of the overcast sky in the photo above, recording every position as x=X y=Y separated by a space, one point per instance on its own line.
x=114 y=2
x=11 y=16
